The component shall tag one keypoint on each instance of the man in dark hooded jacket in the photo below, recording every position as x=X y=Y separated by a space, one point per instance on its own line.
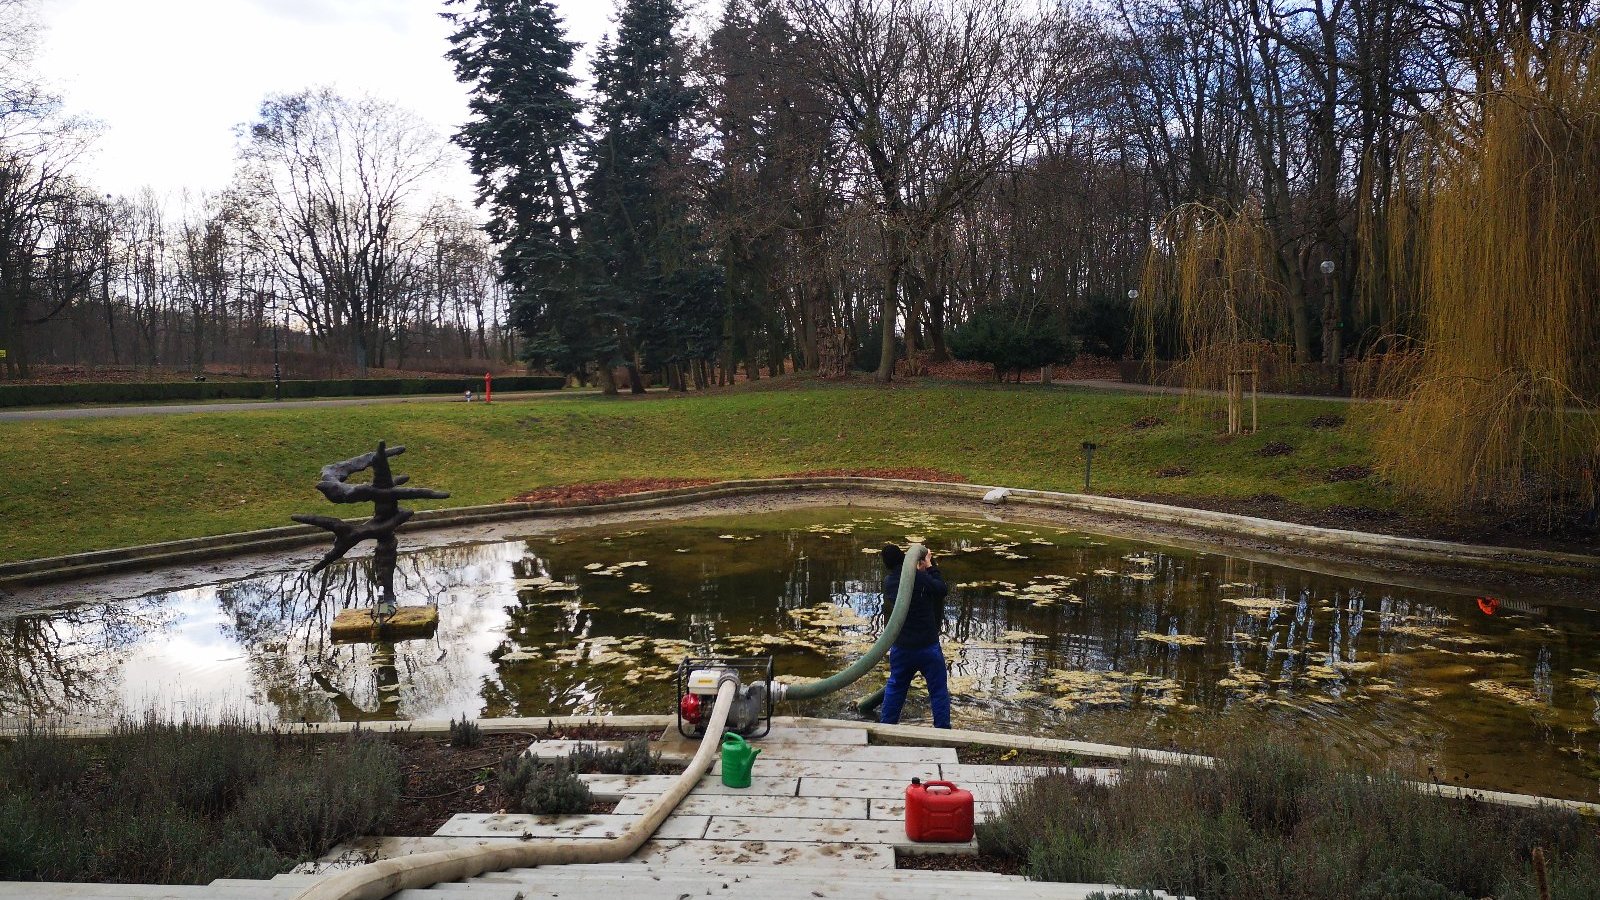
x=916 y=650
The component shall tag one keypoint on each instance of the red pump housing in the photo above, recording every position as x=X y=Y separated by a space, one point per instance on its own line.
x=938 y=812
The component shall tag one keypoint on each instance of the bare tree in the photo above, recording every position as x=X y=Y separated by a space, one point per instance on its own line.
x=337 y=180
x=936 y=98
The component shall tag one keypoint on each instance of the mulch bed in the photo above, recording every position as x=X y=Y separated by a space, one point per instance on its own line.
x=442 y=780
x=950 y=862
x=592 y=492
x=998 y=756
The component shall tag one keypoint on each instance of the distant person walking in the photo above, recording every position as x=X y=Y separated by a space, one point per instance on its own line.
x=916 y=650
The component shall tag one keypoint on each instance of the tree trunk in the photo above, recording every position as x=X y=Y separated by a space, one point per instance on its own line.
x=889 y=307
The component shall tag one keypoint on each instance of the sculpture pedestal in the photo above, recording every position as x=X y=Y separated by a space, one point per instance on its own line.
x=357 y=626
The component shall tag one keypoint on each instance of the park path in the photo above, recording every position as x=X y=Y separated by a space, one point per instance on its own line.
x=173 y=409
x=1108 y=385
x=104 y=412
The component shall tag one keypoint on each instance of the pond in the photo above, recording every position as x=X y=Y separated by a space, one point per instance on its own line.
x=1048 y=632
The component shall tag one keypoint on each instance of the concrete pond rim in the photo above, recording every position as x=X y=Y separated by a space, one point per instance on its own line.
x=1567 y=578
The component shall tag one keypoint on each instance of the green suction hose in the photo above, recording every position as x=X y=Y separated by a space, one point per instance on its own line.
x=870 y=702
x=851 y=673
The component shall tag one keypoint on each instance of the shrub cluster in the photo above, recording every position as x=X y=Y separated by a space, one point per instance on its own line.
x=634 y=757
x=544 y=787
x=552 y=787
x=465 y=734
x=181 y=803
x=1271 y=822
x=1011 y=344
x=150 y=391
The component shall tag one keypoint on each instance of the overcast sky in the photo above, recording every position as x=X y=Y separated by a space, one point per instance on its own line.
x=169 y=79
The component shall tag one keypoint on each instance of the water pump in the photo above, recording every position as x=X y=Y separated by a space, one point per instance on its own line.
x=697 y=683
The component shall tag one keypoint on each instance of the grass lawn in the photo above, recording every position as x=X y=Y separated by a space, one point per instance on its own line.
x=87 y=484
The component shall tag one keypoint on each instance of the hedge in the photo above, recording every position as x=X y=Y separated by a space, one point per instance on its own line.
x=148 y=391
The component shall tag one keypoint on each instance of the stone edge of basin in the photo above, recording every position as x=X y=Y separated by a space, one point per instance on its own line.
x=75 y=566
x=922 y=733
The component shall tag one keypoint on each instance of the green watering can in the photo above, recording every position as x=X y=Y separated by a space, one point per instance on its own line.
x=737 y=758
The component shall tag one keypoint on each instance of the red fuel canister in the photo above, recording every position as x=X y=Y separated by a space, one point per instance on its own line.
x=938 y=812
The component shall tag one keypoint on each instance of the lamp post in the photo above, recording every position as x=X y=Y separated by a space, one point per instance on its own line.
x=1332 y=351
x=1088 y=462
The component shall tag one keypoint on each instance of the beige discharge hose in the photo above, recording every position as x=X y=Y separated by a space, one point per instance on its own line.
x=378 y=880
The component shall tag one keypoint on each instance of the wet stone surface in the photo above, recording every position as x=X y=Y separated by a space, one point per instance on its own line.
x=1048 y=632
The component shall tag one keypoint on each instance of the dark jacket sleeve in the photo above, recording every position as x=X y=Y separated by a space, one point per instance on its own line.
x=930 y=583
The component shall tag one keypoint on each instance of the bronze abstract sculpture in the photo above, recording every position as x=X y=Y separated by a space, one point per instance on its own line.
x=384 y=492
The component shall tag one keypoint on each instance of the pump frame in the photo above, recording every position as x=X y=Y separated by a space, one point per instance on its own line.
x=751 y=670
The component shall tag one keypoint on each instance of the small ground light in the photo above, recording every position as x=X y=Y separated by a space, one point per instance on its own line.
x=1088 y=462
x=1133 y=293
x=1326 y=267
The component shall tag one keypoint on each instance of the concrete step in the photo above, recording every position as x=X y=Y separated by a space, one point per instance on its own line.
x=885 y=788
x=783 y=873
x=521 y=825
x=786 y=883
x=696 y=853
x=615 y=787
x=679 y=751
x=734 y=805
x=809 y=768
x=965 y=773
x=857 y=831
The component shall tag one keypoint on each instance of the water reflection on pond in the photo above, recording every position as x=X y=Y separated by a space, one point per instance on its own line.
x=1048 y=632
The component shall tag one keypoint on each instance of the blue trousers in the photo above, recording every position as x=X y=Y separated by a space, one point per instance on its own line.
x=904 y=665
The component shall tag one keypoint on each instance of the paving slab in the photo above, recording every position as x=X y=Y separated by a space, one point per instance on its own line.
x=831 y=769
x=764 y=853
x=615 y=787
x=895 y=810
x=810 y=886
x=964 y=774
x=870 y=754
x=735 y=805
x=519 y=825
x=799 y=734
x=759 y=828
x=698 y=853
x=886 y=788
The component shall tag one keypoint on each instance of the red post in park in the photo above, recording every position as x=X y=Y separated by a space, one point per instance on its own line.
x=488 y=387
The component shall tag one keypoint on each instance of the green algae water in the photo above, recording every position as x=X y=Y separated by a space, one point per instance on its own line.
x=1048 y=632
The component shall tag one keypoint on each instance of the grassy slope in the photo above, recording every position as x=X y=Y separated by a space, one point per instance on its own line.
x=87 y=484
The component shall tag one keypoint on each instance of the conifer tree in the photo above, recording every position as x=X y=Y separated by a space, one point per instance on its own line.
x=523 y=132
x=644 y=247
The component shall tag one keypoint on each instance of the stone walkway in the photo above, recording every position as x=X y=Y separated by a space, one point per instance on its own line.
x=824 y=817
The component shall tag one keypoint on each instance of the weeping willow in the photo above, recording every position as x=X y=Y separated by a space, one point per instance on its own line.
x=1212 y=299
x=1498 y=400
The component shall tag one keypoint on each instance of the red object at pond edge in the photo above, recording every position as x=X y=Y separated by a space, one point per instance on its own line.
x=1488 y=605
